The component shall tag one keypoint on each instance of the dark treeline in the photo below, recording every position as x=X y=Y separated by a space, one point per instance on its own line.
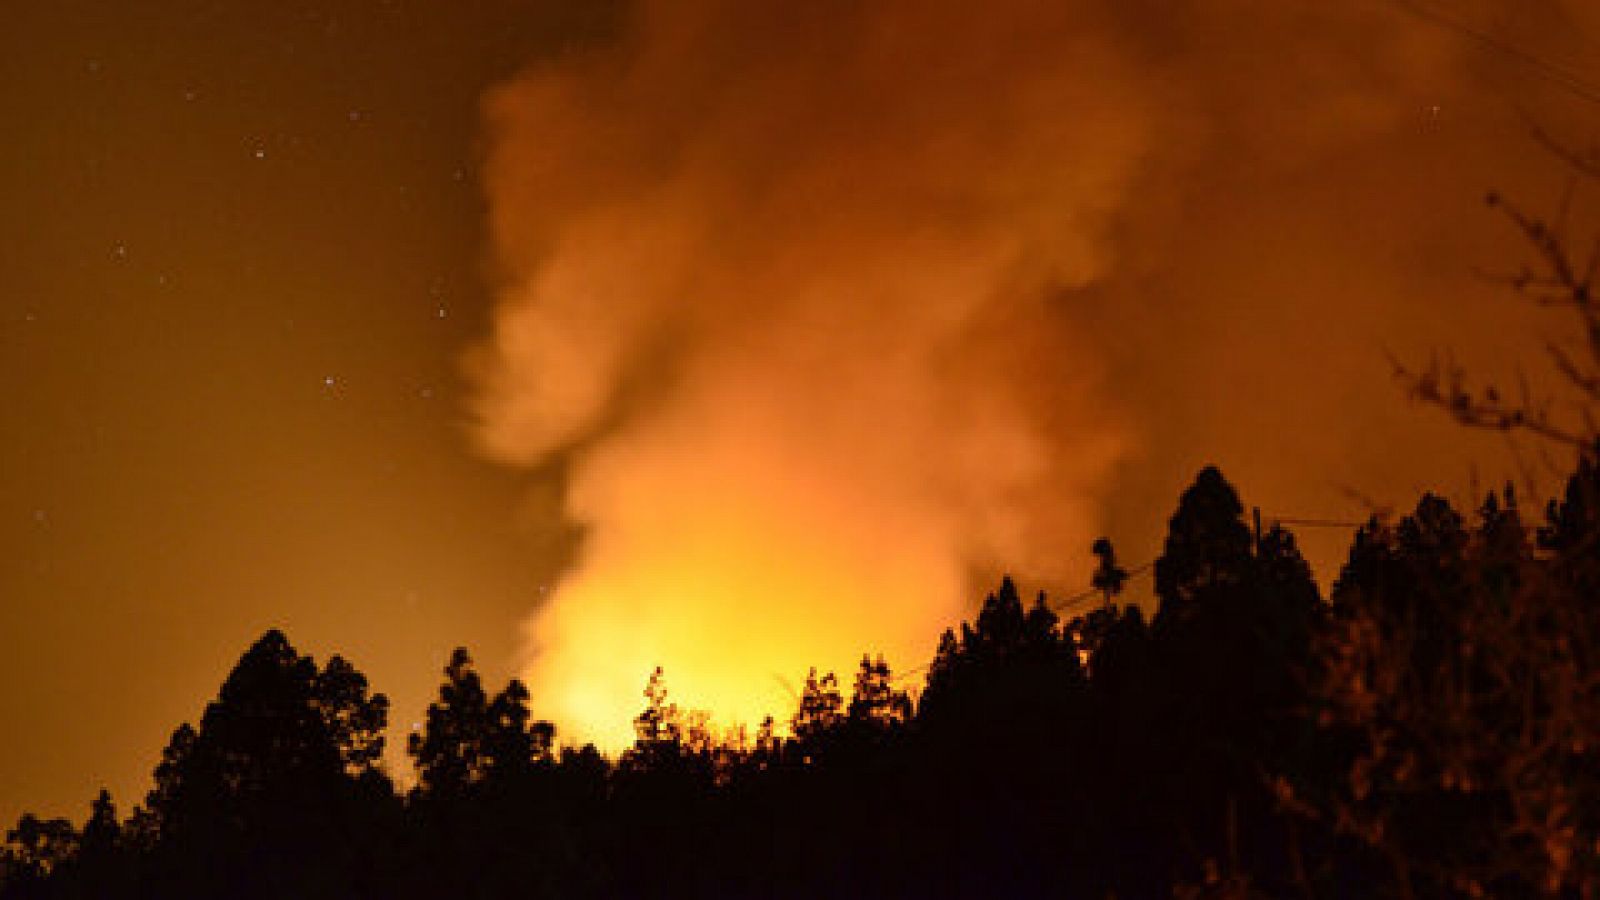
x=1431 y=729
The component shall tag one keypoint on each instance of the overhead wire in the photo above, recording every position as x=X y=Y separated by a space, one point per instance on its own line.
x=1319 y=523
x=1084 y=597
x=1557 y=74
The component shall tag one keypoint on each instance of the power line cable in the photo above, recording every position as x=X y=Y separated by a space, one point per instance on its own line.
x=1061 y=606
x=1056 y=606
x=1318 y=523
x=1072 y=602
x=1562 y=76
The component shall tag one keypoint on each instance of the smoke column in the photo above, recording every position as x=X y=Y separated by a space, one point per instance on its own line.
x=824 y=309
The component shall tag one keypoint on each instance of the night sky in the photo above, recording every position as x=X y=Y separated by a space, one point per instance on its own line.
x=242 y=254
x=354 y=318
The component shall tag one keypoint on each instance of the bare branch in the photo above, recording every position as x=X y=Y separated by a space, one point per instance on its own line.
x=1584 y=162
x=1588 y=382
x=1445 y=388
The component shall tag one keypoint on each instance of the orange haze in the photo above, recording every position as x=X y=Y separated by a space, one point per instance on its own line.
x=825 y=308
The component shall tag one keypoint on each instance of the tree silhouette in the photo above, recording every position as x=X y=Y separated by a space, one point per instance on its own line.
x=820 y=710
x=486 y=773
x=875 y=703
x=100 y=869
x=1463 y=661
x=1232 y=645
x=35 y=850
x=1109 y=577
x=102 y=832
x=452 y=752
x=1207 y=550
x=271 y=794
x=998 y=724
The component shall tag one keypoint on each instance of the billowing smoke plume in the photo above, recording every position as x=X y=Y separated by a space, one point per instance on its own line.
x=824 y=307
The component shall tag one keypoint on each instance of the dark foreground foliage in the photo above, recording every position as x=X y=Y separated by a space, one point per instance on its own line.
x=1432 y=730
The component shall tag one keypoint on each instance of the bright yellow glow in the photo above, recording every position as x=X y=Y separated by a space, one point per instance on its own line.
x=786 y=320
x=724 y=563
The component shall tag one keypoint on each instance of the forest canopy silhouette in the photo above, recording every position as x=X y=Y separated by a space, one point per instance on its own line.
x=1428 y=730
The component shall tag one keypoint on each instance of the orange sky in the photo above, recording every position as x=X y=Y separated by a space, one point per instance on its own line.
x=780 y=321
